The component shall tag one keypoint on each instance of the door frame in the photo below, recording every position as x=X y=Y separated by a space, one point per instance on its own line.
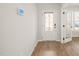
x=48 y=11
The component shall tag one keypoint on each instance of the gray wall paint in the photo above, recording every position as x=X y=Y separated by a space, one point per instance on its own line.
x=17 y=33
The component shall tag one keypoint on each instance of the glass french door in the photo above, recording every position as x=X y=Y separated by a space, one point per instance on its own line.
x=66 y=27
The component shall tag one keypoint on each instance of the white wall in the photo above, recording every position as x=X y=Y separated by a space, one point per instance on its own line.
x=17 y=33
x=48 y=7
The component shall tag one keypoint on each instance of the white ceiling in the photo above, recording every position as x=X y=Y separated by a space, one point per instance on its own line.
x=71 y=4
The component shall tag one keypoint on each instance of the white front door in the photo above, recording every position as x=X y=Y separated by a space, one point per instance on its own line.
x=49 y=26
x=66 y=27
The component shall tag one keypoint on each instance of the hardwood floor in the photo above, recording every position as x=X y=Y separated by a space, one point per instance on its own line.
x=48 y=48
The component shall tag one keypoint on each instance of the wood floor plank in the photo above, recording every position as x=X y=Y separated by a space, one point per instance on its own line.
x=52 y=48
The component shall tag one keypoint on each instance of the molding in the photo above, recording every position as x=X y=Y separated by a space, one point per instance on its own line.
x=49 y=40
x=58 y=40
x=34 y=45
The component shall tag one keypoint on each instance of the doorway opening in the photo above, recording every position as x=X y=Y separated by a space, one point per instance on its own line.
x=49 y=26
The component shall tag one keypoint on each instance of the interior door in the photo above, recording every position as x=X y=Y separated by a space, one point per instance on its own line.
x=67 y=26
x=49 y=28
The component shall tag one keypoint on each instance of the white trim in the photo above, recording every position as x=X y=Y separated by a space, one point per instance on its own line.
x=50 y=40
x=35 y=44
x=59 y=41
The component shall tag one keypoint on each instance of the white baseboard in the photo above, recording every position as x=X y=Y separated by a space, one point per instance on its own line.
x=58 y=40
x=48 y=40
x=35 y=44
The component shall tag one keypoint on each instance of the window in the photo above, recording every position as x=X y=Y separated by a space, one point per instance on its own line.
x=76 y=20
x=48 y=21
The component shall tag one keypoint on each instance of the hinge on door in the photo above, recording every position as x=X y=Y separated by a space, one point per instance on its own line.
x=63 y=38
x=63 y=25
x=63 y=12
